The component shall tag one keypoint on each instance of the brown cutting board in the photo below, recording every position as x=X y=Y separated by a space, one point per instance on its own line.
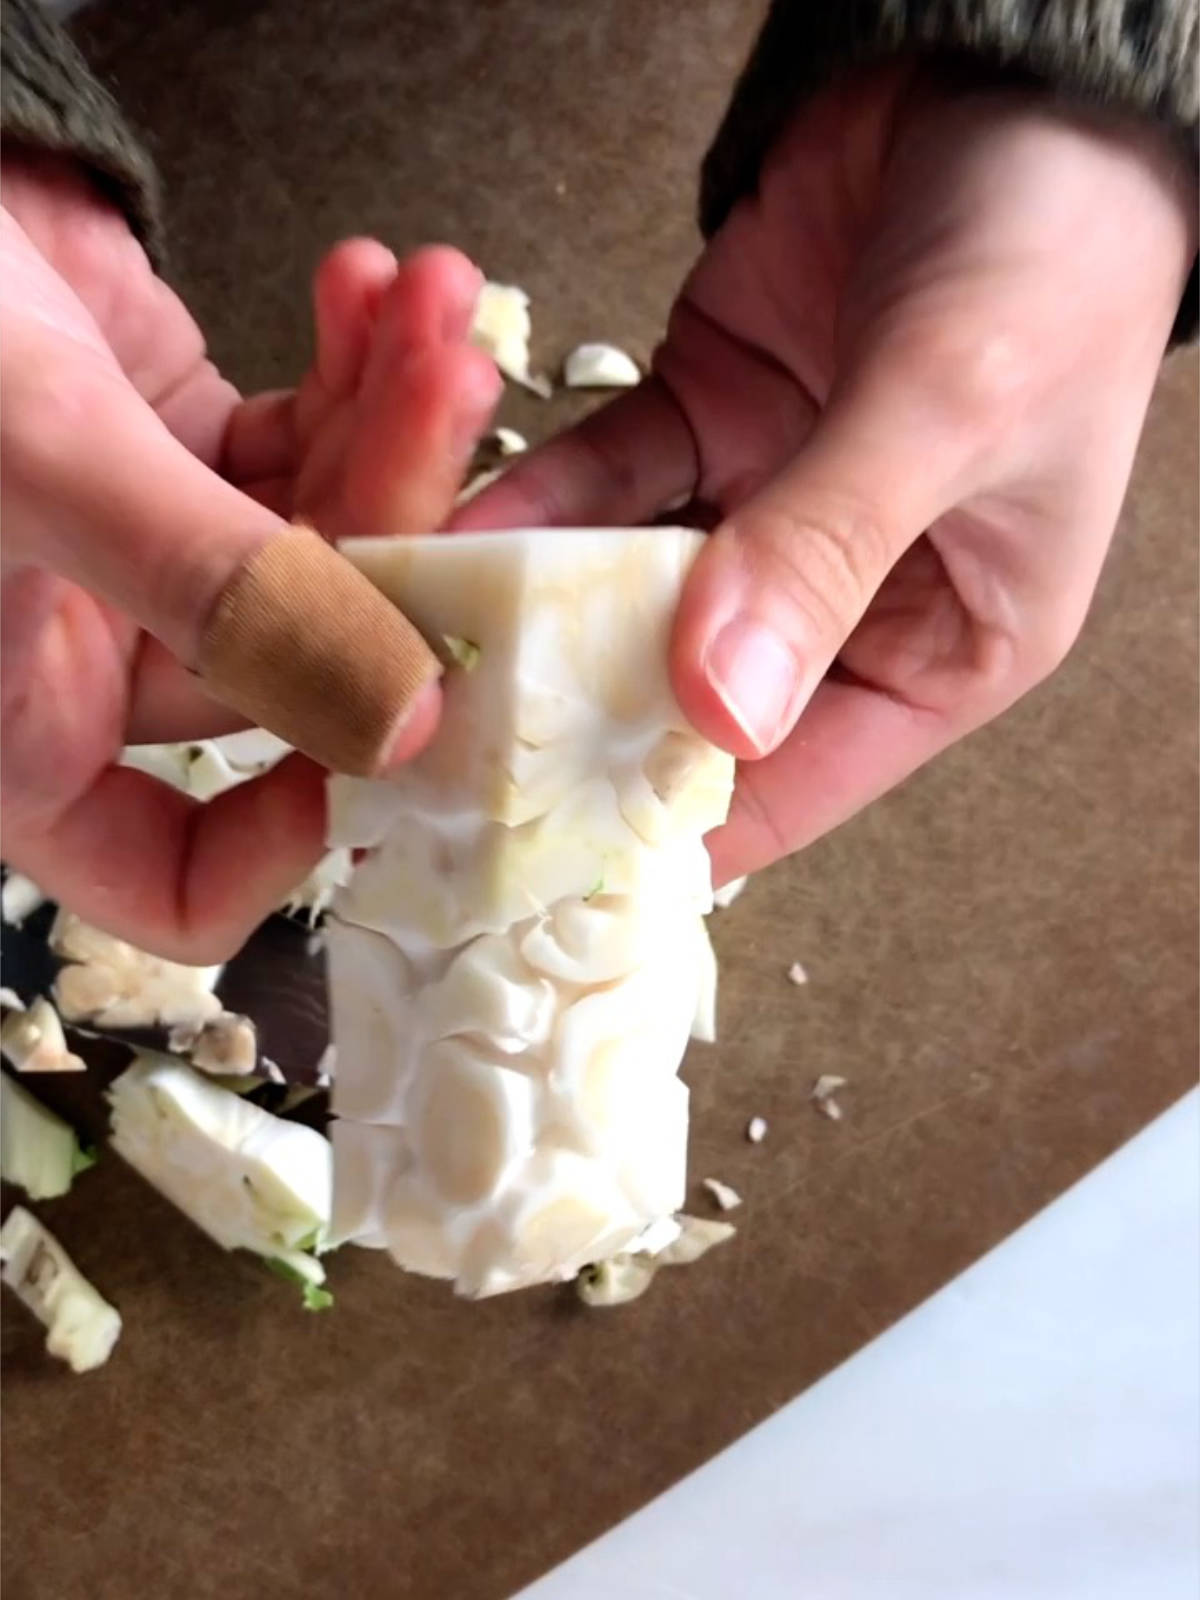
x=1002 y=956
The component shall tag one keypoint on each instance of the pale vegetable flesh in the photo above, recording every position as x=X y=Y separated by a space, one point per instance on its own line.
x=250 y=1180
x=81 y=1326
x=38 y=1150
x=520 y=956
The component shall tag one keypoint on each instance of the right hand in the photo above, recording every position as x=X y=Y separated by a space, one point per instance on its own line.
x=124 y=523
x=905 y=382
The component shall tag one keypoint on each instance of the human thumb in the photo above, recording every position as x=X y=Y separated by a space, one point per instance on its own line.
x=784 y=580
x=275 y=623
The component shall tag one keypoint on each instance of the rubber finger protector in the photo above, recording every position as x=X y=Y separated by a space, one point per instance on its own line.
x=305 y=646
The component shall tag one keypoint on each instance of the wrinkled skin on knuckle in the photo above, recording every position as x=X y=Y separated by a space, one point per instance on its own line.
x=823 y=568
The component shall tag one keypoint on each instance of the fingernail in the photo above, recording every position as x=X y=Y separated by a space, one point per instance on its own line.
x=414 y=730
x=756 y=676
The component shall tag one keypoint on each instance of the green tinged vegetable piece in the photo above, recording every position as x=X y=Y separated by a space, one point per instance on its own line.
x=312 y=1295
x=38 y=1150
x=286 y=1271
x=251 y=1180
x=463 y=652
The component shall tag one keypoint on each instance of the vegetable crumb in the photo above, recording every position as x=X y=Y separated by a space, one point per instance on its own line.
x=797 y=975
x=509 y=442
x=756 y=1130
x=624 y=1277
x=726 y=1197
x=724 y=897
x=463 y=652
x=33 y=1040
x=600 y=366
x=823 y=1091
x=325 y=1066
x=502 y=326
x=19 y=898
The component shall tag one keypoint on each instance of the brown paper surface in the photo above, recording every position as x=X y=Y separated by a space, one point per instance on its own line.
x=1002 y=956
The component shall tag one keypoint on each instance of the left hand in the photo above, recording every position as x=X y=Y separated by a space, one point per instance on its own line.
x=908 y=375
x=124 y=450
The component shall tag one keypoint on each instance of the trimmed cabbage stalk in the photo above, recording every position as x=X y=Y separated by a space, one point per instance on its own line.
x=250 y=1180
x=81 y=1326
x=520 y=955
x=38 y=1150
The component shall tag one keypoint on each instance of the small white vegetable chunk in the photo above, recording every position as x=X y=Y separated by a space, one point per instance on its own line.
x=251 y=1181
x=823 y=1091
x=624 y=1277
x=477 y=485
x=756 y=1130
x=169 y=763
x=207 y=767
x=115 y=985
x=697 y=1236
x=725 y=1197
x=38 y=1150
x=616 y=1281
x=199 y=769
x=19 y=898
x=227 y=1045
x=519 y=957
x=600 y=366
x=509 y=442
x=210 y=774
x=724 y=897
x=33 y=1040
x=81 y=1326
x=254 y=750
x=316 y=893
x=797 y=975
x=502 y=327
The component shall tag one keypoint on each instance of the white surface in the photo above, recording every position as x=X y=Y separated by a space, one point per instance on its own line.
x=1030 y=1433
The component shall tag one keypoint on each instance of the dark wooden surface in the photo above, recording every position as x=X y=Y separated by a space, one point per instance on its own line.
x=1002 y=955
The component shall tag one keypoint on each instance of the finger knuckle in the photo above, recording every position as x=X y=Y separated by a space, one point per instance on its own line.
x=972 y=376
x=827 y=561
x=606 y=463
